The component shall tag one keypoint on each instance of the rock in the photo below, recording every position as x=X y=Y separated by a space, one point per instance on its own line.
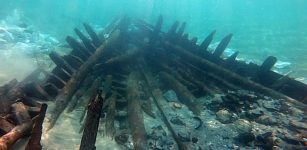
x=242 y=126
x=215 y=102
x=176 y=105
x=265 y=140
x=170 y=96
x=254 y=113
x=224 y=116
x=297 y=124
x=246 y=137
x=177 y=121
x=184 y=136
x=271 y=105
x=267 y=120
x=295 y=112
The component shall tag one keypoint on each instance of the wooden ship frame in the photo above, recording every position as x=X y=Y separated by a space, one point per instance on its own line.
x=126 y=62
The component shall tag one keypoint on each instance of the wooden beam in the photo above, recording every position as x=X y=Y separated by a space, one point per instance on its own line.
x=135 y=114
x=230 y=76
x=72 y=85
x=36 y=134
x=88 y=139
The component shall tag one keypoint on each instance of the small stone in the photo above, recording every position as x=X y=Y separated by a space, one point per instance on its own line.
x=243 y=126
x=271 y=105
x=177 y=121
x=184 y=137
x=297 y=124
x=267 y=120
x=224 y=116
x=214 y=103
x=265 y=140
x=177 y=105
x=254 y=113
x=295 y=112
x=246 y=137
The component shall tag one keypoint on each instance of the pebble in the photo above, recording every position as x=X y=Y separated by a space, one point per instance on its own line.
x=177 y=121
x=267 y=120
x=242 y=126
x=297 y=124
x=224 y=116
x=254 y=113
x=177 y=105
x=271 y=105
x=184 y=137
x=295 y=112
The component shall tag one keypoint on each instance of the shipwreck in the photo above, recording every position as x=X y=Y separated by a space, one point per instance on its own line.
x=127 y=68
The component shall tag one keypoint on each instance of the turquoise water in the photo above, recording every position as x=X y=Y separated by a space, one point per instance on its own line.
x=261 y=28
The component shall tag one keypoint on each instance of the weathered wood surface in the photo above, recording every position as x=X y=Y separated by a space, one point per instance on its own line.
x=111 y=109
x=92 y=91
x=36 y=134
x=156 y=94
x=5 y=126
x=185 y=95
x=229 y=75
x=77 y=98
x=135 y=114
x=72 y=85
x=23 y=127
x=92 y=122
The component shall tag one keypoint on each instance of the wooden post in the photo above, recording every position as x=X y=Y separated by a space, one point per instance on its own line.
x=92 y=122
x=34 y=142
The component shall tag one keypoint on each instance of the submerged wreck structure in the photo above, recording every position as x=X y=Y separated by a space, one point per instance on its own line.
x=157 y=90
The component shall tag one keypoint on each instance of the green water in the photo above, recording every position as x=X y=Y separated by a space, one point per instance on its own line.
x=260 y=27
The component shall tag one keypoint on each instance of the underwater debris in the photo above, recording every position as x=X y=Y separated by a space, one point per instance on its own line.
x=139 y=62
x=35 y=140
x=92 y=121
x=135 y=116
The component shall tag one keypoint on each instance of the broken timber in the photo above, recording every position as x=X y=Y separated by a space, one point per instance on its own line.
x=92 y=122
x=230 y=76
x=24 y=126
x=70 y=88
x=34 y=142
x=186 y=97
x=135 y=115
